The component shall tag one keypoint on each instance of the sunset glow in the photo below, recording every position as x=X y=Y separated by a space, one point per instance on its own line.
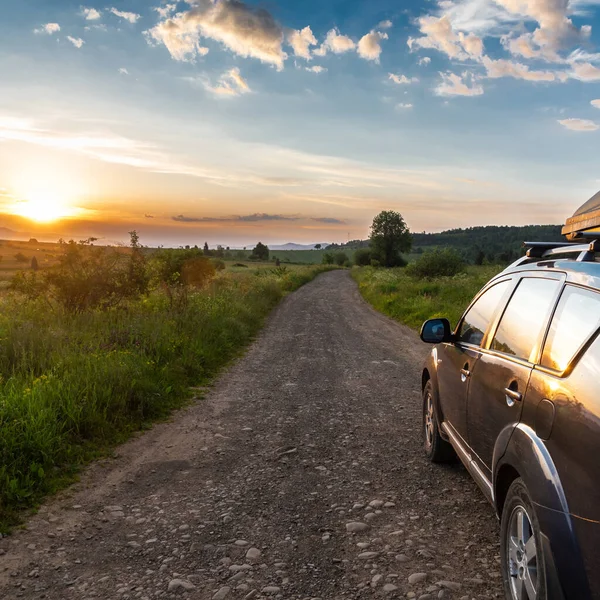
x=44 y=208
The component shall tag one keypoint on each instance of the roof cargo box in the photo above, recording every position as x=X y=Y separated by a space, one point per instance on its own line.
x=585 y=223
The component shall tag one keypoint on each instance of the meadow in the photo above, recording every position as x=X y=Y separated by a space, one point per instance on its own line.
x=412 y=300
x=80 y=373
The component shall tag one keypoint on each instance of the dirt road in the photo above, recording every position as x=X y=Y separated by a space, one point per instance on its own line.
x=299 y=476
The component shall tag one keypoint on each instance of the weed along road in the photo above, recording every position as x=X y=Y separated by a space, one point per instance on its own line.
x=300 y=475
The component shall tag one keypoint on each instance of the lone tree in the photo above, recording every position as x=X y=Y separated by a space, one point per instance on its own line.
x=260 y=252
x=390 y=237
x=34 y=264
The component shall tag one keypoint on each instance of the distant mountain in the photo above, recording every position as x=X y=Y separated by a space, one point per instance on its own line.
x=292 y=246
x=9 y=234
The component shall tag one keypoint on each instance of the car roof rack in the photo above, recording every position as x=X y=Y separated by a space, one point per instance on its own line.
x=547 y=250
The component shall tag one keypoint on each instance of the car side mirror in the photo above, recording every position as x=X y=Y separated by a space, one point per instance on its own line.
x=436 y=331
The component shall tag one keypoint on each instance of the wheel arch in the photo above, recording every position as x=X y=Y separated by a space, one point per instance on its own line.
x=504 y=479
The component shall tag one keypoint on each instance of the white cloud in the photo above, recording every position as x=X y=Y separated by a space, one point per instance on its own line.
x=595 y=103
x=244 y=30
x=77 y=42
x=585 y=72
x=458 y=85
x=424 y=61
x=440 y=35
x=316 y=69
x=230 y=83
x=166 y=11
x=181 y=39
x=123 y=71
x=49 y=28
x=506 y=68
x=403 y=106
x=336 y=43
x=579 y=125
x=385 y=24
x=402 y=79
x=127 y=16
x=301 y=41
x=90 y=14
x=369 y=46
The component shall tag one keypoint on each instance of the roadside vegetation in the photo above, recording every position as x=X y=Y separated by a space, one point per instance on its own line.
x=437 y=283
x=105 y=341
x=412 y=299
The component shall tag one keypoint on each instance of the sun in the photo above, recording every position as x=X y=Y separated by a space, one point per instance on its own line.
x=43 y=208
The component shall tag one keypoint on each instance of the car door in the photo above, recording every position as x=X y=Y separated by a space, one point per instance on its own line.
x=500 y=377
x=457 y=359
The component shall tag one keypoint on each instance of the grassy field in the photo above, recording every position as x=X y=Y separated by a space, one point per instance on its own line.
x=411 y=301
x=74 y=384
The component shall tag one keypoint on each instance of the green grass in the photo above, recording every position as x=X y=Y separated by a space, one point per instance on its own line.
x=74 y=385
x=412 y=301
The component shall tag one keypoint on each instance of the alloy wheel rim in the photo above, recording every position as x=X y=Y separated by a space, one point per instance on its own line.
x=429 y=423
x=521 y=555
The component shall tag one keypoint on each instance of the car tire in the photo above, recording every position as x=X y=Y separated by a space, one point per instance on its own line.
x=437 y=449
x=521 y=550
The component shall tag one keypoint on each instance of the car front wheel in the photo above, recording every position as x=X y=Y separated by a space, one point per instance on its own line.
x=437 y=449
x=523 y=569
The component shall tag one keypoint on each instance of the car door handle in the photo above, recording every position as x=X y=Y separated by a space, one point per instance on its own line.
x=464 y=374
x=512 y=396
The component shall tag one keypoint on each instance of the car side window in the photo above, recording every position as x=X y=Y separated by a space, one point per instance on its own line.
x=479 y=316
x=525 y=316
x=576 y=318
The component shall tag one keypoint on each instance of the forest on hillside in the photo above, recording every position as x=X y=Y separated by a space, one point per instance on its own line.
x=478 y=245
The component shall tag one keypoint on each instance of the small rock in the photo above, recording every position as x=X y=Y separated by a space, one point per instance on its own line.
x=356 y=527
x=449 y=585
x=222 y=593
x=390 y=587
x=367 y=555
x=271 y=589
x=417 y=578
x=176 y=585
x=253 y=554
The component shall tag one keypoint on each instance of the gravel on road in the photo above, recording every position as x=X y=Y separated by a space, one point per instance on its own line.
x=299 y=476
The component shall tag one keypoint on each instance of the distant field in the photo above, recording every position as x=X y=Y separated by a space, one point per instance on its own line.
x=45 y=254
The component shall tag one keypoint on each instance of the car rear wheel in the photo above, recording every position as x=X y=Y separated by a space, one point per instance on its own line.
x=523 y=569
x=438 y=450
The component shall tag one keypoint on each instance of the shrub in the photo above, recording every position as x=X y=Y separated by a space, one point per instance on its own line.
x=328 y=258
x=341 y=259
x=218 y=264
x=437 y=263
x=20 y=257
x=363 y=257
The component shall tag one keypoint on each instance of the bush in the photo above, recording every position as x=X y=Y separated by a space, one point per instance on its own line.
x=218 y=264
x=437 y=263
x=20 y=257
x=341 y=259
x=363 y=257
x=328 y=258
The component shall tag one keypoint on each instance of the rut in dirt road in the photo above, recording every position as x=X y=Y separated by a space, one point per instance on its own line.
x=299 y=476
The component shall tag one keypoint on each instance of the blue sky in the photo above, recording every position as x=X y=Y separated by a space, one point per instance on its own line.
x=238 y=121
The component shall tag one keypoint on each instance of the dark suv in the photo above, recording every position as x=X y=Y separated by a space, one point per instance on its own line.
x=514 y=392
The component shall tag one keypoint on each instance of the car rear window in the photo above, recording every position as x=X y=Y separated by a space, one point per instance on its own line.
x=479 y=316
x=576 y=318
x=525 y=316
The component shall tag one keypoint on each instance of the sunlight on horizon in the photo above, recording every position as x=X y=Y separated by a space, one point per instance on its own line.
x=44 y=208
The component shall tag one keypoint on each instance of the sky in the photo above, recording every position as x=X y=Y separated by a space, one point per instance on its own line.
x=234 y=121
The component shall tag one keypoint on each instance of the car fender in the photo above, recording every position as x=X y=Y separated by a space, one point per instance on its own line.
x=430 y=373
x=527 y=454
